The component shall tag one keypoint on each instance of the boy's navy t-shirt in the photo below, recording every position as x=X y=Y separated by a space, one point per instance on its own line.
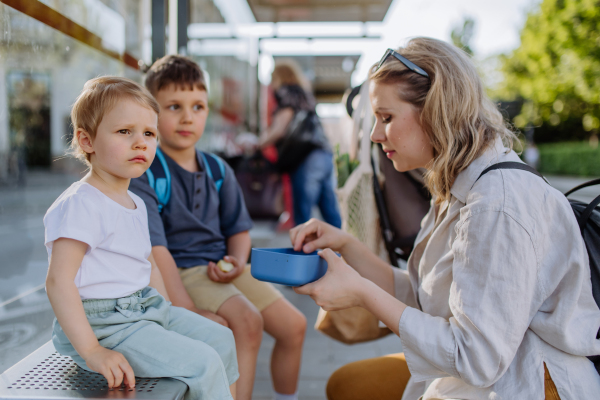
x=196 y=222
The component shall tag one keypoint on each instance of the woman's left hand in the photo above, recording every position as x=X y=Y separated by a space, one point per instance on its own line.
x=340 y=288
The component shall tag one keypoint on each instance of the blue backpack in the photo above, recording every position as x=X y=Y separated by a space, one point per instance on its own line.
x=159 y=177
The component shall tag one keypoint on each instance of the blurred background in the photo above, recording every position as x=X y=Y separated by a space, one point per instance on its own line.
x=540 y=60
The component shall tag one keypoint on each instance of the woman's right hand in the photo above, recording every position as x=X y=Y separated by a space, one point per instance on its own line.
x=315 y=234
x=112 y=364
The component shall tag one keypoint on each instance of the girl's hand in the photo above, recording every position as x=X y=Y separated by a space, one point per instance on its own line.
x=112 y=365
x=340 y=288
x=216 y=275
x=316 y=234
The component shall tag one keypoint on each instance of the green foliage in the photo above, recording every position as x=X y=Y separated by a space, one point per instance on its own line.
x=571 y=158
x=462 y=35
x=344 y=166
x=556 y=70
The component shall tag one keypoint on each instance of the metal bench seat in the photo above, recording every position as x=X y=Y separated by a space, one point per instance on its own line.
x=45 y=374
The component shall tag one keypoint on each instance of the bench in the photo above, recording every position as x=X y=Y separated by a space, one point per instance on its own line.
x=45 y=374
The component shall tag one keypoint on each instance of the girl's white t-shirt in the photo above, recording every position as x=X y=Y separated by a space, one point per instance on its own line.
x=116 y=262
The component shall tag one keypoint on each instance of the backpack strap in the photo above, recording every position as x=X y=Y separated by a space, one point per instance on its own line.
x=159 y=179
x=583 y=185
x=511 y=165
x=215 y=169
x=585 y=215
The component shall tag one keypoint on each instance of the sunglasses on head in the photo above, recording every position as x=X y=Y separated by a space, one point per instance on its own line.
x=408 y=64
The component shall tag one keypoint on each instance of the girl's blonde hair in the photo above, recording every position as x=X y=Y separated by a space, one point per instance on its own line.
x=455 y=113
x=99 y=96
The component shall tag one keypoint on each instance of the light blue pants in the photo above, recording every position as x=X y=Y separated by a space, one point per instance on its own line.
x=313 y=183
x=160 y=340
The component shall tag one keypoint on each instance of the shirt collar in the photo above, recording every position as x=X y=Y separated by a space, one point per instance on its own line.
x=201 y=166
x=466 y=178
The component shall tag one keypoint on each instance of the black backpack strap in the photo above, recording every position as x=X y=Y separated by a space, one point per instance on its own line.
x=583 y=185
x=512 y=165
x=586 y=214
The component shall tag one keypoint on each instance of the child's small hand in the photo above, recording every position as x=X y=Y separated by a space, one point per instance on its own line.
x=217 y=275
x=112 y=365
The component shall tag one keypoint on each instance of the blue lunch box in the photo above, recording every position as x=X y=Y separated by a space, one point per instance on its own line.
x=287 y=266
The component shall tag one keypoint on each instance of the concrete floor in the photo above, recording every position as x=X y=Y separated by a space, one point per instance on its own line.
x=321 y=355
x=26 y=315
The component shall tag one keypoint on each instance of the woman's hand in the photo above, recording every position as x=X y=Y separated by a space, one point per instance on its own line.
x=340 y=288
x=112 y=365
x=316 y=234
x=216 y=275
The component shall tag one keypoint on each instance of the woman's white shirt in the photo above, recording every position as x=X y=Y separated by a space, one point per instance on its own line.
x=496 y=286
x=116 y=262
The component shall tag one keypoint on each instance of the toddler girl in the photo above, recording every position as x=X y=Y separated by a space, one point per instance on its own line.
x=112 y=311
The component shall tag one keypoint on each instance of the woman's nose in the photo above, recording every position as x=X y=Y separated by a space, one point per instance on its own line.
x=378 y=133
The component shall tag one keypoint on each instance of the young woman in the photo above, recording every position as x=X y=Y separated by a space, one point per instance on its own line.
x=497 y=300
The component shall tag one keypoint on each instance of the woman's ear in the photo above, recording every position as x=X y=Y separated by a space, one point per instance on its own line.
x=85 y=141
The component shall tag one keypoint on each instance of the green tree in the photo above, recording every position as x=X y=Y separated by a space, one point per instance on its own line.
x=463 y=34
x=556 y=70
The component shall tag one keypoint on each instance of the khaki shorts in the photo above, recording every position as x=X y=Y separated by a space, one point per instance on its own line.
x=209 y=295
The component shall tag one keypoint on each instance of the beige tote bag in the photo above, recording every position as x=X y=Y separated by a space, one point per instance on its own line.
x=360 y=218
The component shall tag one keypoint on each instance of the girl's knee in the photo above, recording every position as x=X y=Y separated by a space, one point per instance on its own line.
x=229 y=340
x=227 y=351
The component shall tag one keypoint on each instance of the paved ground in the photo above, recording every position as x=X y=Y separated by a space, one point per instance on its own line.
x=26 y=316
x=321 y=355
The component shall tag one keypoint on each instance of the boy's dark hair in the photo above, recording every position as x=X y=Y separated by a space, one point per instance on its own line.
x=176 y=70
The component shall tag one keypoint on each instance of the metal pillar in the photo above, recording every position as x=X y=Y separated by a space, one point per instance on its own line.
x=158 y=29
x=183 y=21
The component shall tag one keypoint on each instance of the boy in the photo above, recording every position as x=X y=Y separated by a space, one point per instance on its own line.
x=201 y=225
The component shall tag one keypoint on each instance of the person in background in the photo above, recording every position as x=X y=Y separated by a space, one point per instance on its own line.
x=313 y=181
x=531 y=155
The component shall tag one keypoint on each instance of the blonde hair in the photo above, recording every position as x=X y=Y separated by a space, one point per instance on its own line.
x=99 y=96
x=289 y=73
x=459 y=119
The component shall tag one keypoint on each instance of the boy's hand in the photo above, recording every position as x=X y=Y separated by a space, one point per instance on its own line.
x=112 y=365
x=216 y=275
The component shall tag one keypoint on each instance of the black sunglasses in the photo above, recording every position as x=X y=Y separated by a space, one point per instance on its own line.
x=408 y=64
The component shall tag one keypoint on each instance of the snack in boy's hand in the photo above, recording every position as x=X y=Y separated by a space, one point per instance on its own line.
x=224 y=266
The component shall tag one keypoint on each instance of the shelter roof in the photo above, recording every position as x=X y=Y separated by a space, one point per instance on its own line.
x=319 y=10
